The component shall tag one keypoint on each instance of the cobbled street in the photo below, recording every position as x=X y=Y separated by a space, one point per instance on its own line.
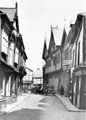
x=38 y=107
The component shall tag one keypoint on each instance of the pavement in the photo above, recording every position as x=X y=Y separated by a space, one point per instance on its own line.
x=9 y=107
x=66 y=102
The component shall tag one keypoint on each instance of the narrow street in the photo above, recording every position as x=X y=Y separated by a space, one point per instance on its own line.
x=37 y=107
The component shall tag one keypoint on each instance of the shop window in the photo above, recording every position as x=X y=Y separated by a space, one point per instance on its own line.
x=84 y=51
x=13 y=87
x=84 y=58
x=1 y=82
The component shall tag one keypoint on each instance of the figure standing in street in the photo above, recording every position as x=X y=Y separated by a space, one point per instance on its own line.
x=62 y=91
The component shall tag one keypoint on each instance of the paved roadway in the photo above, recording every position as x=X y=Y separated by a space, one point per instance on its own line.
x=37 y=107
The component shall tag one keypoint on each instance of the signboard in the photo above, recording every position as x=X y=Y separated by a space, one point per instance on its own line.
x=65 y=62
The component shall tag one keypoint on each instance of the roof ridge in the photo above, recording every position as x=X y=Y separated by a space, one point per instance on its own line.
x=7 y=8
x=55 y=28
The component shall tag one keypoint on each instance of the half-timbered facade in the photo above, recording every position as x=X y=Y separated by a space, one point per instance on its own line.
x=66 y=63
x=52 y=57
x=66 y=60
x=12 y=53
x=79 y=63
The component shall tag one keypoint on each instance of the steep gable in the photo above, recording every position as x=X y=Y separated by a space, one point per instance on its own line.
x=52 y=42
x=57 y=33
x=55 y=39
x=45 y=51
x=75 y=30
x=12 y=14
x=63 y=37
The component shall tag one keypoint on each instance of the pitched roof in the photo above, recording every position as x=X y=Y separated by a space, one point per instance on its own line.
x=52 y=41
x=47 y=42
x=57 y=33
x=63 y=37
x=10 y=12
x=6 y=19
x=75 y=30
x=45 y=50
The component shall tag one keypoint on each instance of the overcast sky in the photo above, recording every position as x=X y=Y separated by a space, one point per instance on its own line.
x=35 y=18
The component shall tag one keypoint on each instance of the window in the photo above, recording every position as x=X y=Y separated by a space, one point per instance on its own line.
x=16 y=55
x=73 y=62
x=58 y=58
x=4 y=42
x=11 y=54
x=1 y=81
x=24 y=63
x=52 y=49
x=48 y=63
x=84 y=51
x=78 y=53
x=66 y=54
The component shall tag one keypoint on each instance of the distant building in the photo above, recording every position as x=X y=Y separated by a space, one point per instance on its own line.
x=37 y=78
x=27 y=79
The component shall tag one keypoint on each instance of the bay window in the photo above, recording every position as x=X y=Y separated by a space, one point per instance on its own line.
x=16 y=57
x=4 y=48
x=11 y=54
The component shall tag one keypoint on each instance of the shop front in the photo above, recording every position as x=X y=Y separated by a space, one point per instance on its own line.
x=79 y=88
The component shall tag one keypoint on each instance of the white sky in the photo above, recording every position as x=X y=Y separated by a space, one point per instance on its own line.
x=35 y=18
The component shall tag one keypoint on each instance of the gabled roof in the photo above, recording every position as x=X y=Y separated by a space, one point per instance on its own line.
x=52 y=41
x=44 y=50
x=29 y=69
x=63 y=37
x=56 y=38
x=3 y=15
x=57 y=33
x=10 y=12
x=75 y=30
x=47 y=42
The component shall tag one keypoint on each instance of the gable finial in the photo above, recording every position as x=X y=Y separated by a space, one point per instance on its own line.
x=45 y=36
x=16 y=5
x=64 y=23
x=51 y=26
